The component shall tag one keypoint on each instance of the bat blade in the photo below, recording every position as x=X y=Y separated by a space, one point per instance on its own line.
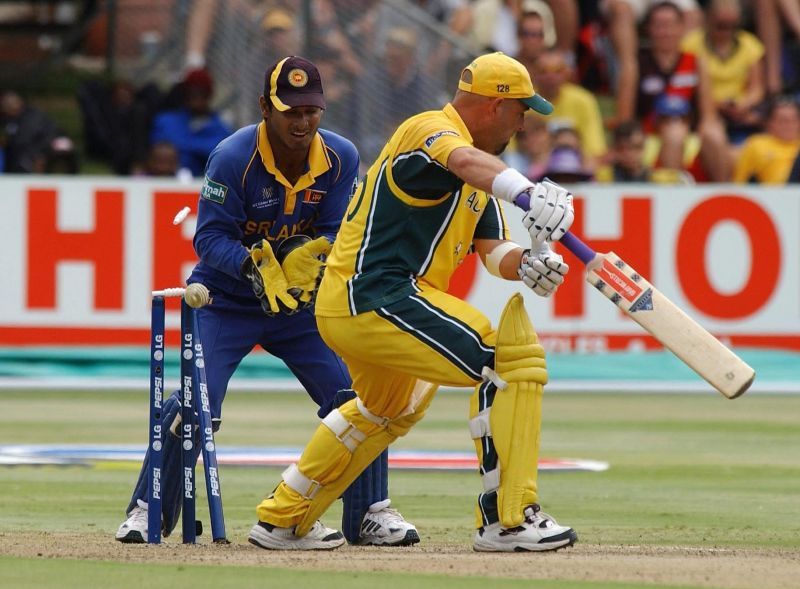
x=645 y=304
x=678 y=332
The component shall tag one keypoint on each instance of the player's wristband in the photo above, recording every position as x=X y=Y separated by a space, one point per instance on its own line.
x=508 y=184
x=495 y=257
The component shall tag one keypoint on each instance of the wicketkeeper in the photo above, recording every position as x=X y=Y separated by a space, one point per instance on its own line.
x=383 y=307
x=271 y=204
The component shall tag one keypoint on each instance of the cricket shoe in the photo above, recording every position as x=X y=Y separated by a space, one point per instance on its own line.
x=271 y=537
x=384 y=526
x=539 y=532
x=134 y=529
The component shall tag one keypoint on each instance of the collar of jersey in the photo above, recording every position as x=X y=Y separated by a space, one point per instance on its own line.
x=318 y=161
x=452 y=114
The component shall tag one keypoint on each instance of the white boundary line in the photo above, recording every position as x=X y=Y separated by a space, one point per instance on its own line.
x=289 y=384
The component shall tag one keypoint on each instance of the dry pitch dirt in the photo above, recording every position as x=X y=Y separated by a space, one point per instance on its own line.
x=734 y=568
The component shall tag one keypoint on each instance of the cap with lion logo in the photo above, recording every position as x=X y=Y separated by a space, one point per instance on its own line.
x=293 y=81
x=499 y=76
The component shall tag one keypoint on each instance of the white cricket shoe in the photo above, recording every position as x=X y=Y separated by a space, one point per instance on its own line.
x=384 y=526
x=271 y=537
x=539 y=532
x=134 y=529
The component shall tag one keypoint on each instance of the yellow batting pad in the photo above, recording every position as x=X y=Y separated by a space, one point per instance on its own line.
x=518 y=355
x=516 y=414
x=332 y=465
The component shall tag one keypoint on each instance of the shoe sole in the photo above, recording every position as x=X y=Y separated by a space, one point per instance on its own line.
x=329 y=546
x=267 y=544
x=132 y=537
x=411 y=538
x=554 y=544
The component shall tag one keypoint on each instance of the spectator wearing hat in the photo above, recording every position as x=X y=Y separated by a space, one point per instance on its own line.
x=193 y=128
x=281 y=33
x=400 y=91
x=571 y=102
x=565 y=166
x=767 y=158
x=672 y=145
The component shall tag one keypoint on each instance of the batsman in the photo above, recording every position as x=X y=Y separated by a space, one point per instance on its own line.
x=271 y=204
x=383 y=307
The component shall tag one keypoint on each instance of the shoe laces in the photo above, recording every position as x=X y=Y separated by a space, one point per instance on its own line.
x=535 y=516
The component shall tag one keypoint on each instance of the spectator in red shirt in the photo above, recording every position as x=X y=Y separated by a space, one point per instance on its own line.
x=665 y=70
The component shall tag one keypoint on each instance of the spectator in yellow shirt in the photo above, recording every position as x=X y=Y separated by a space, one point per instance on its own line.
x=571 y=103
x=734 y=60
x=767 y=158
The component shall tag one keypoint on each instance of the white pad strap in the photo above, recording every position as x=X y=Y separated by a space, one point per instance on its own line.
x=300 y=483
x=479 y=426
x=376 y=419
x=345 y=432
x=491 y=480
x=495 y=257
x=489 y=374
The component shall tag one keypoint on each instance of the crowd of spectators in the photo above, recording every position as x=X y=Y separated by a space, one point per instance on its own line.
x=676 y=91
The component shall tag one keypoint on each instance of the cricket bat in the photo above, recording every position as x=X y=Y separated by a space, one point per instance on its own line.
x=645 y=304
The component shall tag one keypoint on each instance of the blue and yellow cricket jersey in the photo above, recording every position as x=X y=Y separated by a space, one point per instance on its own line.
x=245 y=199
x=411 y=220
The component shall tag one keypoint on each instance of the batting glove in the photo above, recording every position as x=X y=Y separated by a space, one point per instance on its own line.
x=266 y=278
x=550 y=214
x=303 y=268
x=542 y=270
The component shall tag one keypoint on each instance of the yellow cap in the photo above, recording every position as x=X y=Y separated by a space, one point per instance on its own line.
x=278 y=19
x=499 y=76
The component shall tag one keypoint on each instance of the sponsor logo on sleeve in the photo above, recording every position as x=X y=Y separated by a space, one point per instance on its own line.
x=432 y=139
x=213 y=191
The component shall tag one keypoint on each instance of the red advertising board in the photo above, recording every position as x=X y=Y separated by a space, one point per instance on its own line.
x=80 y=257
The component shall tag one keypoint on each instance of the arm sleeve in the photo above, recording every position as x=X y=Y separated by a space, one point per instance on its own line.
x=332 y=208
x=419 y=167
x=220 y=215
x=492 y=224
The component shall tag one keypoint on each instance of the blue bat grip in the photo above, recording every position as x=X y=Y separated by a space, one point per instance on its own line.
x=571 y=242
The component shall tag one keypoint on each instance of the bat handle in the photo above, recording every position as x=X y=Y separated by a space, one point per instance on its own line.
x=576 y=246
x=571 y=242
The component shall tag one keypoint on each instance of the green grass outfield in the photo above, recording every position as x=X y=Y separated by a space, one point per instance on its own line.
x=694 y=472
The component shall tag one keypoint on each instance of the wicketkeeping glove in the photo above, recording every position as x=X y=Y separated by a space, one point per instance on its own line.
x=266 y=278
x=551 y=213
x=303 y=267
x=542 y=270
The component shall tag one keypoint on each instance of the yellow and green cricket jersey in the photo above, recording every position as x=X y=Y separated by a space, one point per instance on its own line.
x=411 y=221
